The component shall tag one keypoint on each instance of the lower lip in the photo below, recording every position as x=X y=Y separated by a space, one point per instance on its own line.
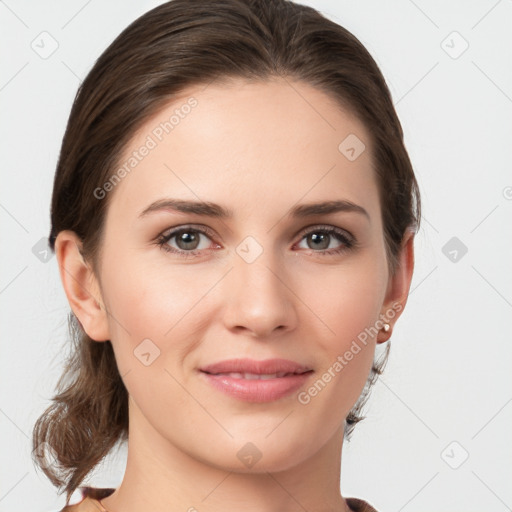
x=254 y=390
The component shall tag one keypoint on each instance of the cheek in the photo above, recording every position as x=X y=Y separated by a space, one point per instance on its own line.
x=348 y=306
x=147 y=302
x=346 y=301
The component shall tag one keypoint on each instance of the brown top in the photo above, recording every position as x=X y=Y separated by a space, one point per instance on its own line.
x=89 y=501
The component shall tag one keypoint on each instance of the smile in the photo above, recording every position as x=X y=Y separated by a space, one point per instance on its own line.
x=256 y=381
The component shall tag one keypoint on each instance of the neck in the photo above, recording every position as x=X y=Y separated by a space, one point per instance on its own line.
x=161 y=477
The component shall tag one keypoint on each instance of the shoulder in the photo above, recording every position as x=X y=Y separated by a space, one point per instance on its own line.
x=87 y=500
x=88 y=496
x=359 y=505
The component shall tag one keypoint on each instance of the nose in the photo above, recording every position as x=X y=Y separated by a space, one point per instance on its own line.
x=260 y=299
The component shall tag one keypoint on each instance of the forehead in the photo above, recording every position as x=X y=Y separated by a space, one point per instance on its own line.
x=249 y=146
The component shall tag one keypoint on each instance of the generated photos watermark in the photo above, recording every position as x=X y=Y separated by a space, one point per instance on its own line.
x=305 y=397
x=152 y=140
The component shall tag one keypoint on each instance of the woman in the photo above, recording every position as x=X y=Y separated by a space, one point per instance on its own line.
x=233 y=217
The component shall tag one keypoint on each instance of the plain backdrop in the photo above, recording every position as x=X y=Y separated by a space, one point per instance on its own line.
x=435 y=436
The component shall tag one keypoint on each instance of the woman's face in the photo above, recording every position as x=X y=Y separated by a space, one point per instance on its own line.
x=272 y=279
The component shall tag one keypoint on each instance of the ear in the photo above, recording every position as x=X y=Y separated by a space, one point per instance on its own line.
x=81 y=286
x=398 y=287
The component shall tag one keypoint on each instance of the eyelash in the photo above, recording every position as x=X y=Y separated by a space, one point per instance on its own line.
x=349 y=242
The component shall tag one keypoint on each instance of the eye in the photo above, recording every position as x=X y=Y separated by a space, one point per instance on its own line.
x=187 y=241
x=319 y=238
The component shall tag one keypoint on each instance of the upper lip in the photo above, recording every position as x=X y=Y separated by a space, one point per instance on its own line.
x=264 y=367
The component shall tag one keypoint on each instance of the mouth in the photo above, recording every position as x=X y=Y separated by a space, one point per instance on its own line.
x=254 y=367
x=256 y=376
x=256 y=381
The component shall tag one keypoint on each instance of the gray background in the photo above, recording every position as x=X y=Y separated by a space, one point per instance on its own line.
x=435 y=436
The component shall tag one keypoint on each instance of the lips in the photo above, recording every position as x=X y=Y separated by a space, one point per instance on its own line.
x=256 y=381
x=255 y=376
x=253 y=368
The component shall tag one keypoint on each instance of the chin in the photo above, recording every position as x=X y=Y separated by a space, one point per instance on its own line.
x=257 y=456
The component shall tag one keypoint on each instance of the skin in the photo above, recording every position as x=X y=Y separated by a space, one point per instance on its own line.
x=258 y=149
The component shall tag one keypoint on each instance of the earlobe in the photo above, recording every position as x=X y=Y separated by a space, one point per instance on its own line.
x=81 y=286
x=398 y=287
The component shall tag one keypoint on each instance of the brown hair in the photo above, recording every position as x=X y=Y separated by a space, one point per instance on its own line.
x=179 y=44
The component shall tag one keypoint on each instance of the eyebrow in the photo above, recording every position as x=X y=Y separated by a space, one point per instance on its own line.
x=209 y=209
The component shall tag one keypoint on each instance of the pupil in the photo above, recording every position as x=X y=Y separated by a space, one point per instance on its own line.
x=187 y=239
x=322 y=238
